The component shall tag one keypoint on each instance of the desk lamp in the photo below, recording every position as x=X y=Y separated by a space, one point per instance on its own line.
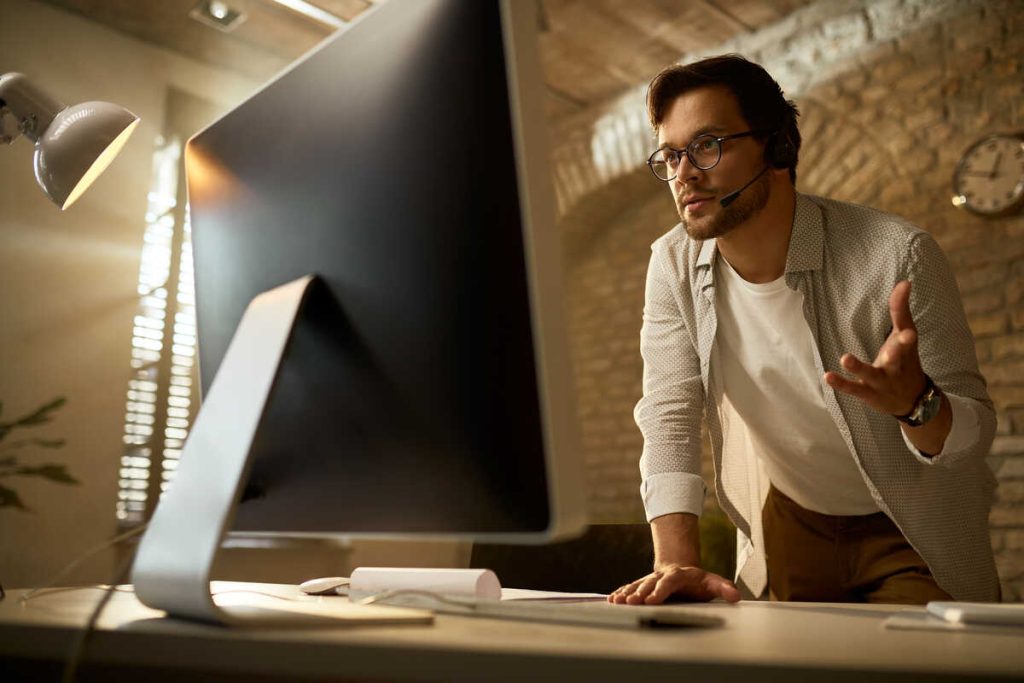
x=73 y=145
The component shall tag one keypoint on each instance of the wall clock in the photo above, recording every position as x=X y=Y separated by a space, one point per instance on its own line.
x=989 y=178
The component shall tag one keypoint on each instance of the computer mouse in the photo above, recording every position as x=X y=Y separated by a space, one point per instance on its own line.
x=324 y=586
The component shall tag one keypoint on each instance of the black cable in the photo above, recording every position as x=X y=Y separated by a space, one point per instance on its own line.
x=77 y=654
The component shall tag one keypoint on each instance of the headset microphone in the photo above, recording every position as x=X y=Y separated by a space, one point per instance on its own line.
x=733 y=196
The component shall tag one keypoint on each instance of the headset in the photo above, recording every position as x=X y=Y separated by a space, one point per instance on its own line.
x=779 y=152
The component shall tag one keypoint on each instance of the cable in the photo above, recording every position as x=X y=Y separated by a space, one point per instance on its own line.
x=78 y=646
x=253 y=592
x=80 y=559
x=46 y=592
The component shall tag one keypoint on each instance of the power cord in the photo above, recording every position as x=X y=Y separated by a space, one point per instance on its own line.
x=78 y=645
x=71 y=566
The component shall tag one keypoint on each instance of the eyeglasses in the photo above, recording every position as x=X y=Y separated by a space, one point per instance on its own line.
x=704 y=152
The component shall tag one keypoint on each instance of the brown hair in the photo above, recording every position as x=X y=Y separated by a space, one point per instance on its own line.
x=761 y=100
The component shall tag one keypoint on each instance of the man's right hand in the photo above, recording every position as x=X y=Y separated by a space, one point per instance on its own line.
x=687 y=583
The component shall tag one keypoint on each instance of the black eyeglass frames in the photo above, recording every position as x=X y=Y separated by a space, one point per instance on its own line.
x=704 y=152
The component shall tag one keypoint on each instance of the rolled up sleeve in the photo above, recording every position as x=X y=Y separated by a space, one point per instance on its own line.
x=669 y=413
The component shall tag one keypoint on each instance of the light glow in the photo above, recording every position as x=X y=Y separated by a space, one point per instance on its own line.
x=100 y=165
x=313 y=12
x=151 y=449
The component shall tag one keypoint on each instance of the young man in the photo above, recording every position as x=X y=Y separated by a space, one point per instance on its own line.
x=826 y=347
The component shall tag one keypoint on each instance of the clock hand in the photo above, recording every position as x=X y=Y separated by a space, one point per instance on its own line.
x=995 y=167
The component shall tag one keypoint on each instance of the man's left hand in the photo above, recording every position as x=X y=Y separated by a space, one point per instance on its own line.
x=893 y=382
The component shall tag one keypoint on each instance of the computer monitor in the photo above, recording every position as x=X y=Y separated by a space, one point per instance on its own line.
x=419 y=385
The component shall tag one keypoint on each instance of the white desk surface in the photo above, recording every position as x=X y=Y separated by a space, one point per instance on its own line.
x=759 y=642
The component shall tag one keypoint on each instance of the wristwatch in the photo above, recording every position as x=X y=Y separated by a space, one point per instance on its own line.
x=925 y=407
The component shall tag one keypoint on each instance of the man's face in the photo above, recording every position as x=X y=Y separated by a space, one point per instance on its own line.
x=697 y=193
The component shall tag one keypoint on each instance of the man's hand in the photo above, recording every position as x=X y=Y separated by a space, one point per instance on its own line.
x=692 y=584
x=894 y=381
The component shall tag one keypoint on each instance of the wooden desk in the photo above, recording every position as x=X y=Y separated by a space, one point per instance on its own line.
x=760 y=642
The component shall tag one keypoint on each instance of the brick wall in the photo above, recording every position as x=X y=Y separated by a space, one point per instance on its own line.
x=883 y=127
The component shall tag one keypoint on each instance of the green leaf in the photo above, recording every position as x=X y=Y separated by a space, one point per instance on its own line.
x=51 y=471
x=40 y=416
x=10 y=498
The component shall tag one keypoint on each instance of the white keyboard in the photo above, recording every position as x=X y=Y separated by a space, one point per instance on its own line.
x=580 y=613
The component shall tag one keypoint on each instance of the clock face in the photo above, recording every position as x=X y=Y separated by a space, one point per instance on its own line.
x=989 y=180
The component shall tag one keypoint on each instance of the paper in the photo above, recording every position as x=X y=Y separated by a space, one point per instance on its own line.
x=527 y=594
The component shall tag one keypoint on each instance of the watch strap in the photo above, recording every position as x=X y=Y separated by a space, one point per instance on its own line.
x=913 y=417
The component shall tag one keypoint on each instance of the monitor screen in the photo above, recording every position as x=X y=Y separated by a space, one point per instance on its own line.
x=426 y=388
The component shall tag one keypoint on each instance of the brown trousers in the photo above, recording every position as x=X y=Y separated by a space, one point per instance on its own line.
x=829 y=558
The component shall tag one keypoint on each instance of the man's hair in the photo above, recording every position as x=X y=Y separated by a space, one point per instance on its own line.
x=761 y=100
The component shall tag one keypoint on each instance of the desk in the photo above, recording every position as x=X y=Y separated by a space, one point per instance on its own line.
x=788 y=642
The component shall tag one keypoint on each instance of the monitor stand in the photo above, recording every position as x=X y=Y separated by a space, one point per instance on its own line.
x=176 y=554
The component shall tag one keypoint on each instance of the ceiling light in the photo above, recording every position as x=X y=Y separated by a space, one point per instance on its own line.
x=313 y=12
x=73 y=145
x=220 y=11
x=218 y=14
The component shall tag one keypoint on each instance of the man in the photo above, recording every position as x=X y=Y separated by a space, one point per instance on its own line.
x=826 y=347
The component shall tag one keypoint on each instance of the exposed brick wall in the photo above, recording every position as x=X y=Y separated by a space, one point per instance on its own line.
x=885 y=131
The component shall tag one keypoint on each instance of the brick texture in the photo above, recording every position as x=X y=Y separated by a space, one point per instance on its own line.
x=922 y=81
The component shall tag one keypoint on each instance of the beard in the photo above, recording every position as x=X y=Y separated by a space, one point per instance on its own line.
x=746 y=206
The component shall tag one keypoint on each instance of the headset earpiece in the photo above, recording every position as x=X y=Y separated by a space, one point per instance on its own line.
x=779 y=151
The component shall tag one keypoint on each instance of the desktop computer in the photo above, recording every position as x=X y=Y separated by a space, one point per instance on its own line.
x=382 y=346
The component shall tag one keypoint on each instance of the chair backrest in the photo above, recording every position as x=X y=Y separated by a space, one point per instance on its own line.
x=605 y=557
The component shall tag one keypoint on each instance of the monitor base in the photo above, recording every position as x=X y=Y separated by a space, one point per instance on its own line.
x=176 y=554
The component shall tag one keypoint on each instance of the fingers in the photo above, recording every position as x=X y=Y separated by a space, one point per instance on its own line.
x=643 y=590
x=895 y=378
x=622 y=594
x=687 y=583
x=899 y=307
x=862 y=370
x=719 y=587
x=636 y=592
x=868 y=377
x=908 y=337
x=662 y=591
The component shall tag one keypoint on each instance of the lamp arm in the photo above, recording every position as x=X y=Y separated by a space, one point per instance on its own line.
x=29 y=104
x=5 y=137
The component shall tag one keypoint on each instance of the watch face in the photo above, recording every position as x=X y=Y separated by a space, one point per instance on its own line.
x=930 y=407
x=989 y=180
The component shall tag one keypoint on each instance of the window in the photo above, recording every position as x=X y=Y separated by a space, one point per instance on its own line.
x=162 y=393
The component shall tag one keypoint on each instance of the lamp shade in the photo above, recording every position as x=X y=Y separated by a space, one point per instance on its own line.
x=73 y=145
x=77 y=147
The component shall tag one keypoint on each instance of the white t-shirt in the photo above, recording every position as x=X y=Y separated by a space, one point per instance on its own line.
x=766 y=379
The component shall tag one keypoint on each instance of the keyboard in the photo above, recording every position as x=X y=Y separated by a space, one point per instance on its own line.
x=579 y=613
